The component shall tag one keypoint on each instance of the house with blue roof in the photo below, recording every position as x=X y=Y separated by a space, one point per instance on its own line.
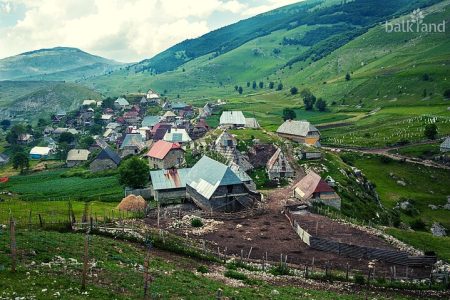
x=169 y=186
x=212 y=185
x=150 y=121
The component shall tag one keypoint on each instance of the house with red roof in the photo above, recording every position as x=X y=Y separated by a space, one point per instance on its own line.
x=165 y=155
x=312 y=188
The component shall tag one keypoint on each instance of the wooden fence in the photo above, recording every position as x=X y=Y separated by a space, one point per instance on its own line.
x=355 y=251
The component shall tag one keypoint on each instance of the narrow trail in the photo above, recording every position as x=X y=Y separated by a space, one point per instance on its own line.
x=398 y=157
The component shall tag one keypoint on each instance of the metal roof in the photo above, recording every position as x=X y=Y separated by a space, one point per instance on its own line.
x=207 y=174
x=40 y=150
x=169 y=179
x=108 y=153
x=161 y=148
x=446 y=143
x=310 y=184
x=122 y=101
x=251 y=123
x=177 y=135
x=232 y=118
x=150 y=121
x=133 y=139
x=300 y=128
x=78 y=155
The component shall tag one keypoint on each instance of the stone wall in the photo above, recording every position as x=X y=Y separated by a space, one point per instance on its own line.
x=102 y=165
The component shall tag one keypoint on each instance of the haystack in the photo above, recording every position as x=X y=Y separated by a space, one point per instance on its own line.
x=132 y=203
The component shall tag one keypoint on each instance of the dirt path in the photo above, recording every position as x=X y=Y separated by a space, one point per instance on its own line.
x=397 y=157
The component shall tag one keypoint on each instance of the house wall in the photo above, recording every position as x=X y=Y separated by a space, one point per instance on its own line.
x=274 y=174
x=72 y=163
x=173 y=158
x=219 y=200
x=102 y=164
x=310 y=140
x=171 y=196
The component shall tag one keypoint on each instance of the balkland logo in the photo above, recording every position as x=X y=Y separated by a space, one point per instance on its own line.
x=415 y=23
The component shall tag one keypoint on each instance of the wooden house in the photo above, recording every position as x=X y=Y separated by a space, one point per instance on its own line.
x=278 y=166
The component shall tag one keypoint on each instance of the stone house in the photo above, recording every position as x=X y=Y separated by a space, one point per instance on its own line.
x=107 y=159
x=165 y=155
x=77 y=157
x=133 y=144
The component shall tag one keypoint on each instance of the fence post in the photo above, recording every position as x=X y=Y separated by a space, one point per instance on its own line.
x=346 y=272
x=85 y=261
x=40 y=220
x=12 y=228
x=146 y=273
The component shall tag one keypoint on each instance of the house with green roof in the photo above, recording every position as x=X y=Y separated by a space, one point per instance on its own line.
x=212 y=185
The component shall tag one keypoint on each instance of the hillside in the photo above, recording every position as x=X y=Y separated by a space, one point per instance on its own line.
x=47 y=99
x=308 y=30
x=60 y=63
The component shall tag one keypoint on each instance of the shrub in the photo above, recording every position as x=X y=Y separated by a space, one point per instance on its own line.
x=418 y=224
x=359 y=279
x=280 y=270
x=202 y=269
x=196 y=222
x=235 y=275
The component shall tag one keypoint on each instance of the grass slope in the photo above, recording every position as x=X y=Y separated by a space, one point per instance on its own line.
x=117 y=272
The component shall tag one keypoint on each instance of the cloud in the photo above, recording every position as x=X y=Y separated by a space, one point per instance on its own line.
x=124 y=30
x=5 y=7
x=267 y=6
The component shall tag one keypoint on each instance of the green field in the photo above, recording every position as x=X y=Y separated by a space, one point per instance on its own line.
x=52 y=211
x=49 y=185
x=390 y=126
x=424 y=241
x=50 y=265
x=427 y=151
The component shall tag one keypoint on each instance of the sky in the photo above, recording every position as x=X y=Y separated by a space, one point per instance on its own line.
x=124 y=30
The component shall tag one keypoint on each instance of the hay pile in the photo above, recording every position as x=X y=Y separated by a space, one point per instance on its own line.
x=132 y=203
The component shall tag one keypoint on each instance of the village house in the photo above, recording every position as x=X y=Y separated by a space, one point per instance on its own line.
x=165 y=155
x=122 y=103
x=107 y=159
x=133 y=144
x=186 y=113
x=199 y=129
x=132 y=118
x=177 y=135
x=278 y=166
x=159 y=131
x=213 y=186
x=150 y=121
x=40 y=152
x=251 y=123
x=153 y=98
x=445 y=146
x=300 y=131
x=206 y=111
x=232 y=119
x=169 y=186
x=4 y=159
x=312 y=188
x=77 y=157
x=226 y=145
x=88 y=103
x=169 y=117
x=25 y=139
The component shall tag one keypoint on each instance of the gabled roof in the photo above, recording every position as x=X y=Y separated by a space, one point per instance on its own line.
x=207 y=175
x=177 y=135
x=232 y=118
x=89 y=102
x=133 y=139
x=108 y=153
x=311 y=183
x=278 y=156
x=226 y=140
x=446 y=143
x=78 y=155
x=251 y=123
x=169 y=179
x=122 y=101
x=169 y=114
x=150 y=121
x=300 y=128
x=161 y=148
x=4 y=158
